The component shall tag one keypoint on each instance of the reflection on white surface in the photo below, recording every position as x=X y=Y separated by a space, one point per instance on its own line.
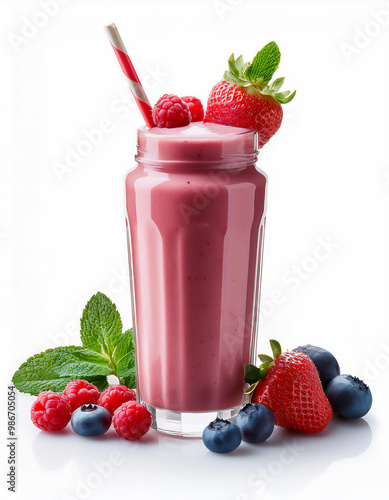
x=282 y=467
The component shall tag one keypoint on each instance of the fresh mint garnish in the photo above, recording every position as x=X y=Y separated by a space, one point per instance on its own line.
x=101 y=326
x=105 y=351
x=264 y=64
x=255 y=77
x=124 y=359
x=51 y=370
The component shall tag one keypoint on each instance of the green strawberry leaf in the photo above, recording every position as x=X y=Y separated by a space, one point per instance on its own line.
x=284 y=97
x=232 y=66
x=251 y=389
x=276 y=348
x=251 y=374
x=52 y=369
x=277 y=84
x=265 y=358
x=264 y=64
x=101 y=326
x=234 y=79
x=240 y=65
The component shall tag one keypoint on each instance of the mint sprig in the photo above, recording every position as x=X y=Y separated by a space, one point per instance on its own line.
x=51 y=370
x=264 y=64
x=105 y=351
x=255 y=77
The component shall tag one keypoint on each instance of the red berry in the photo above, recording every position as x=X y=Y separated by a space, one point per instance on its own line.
x=195 y=107
x=229 y=104
x=51 y=411
x=293 y=391
x=80 y=392
x=171 y=111
x=132 y=420
x=115 y=396
x=247 y=98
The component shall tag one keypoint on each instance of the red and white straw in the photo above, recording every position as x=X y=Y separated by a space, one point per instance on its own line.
x=130 y=73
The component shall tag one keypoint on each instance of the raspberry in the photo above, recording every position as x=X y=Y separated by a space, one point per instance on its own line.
x=132 y=420
x=80 y=392
x=51 y=411
x=195 y=108
x=171 y=111
x=115 y=396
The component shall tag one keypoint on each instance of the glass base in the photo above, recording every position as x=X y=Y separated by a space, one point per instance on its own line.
x=186 y=424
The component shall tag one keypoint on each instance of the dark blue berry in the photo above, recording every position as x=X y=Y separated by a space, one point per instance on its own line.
x=325 y=362
x=349 y=396
x=222 y=436
x=91 y=420
x=256 y=422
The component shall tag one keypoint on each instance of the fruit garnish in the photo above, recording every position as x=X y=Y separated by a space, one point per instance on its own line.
x=195 y=107
x=349 y=396
x=247 y=98
x=289 y=385
x=259 y=73
x=171 y=111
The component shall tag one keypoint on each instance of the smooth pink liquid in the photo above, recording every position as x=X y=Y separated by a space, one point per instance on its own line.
x=195 y=236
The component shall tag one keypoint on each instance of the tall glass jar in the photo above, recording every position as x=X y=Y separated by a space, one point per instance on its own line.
x=195 y=218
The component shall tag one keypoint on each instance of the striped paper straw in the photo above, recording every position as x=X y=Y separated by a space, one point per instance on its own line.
x=130 y=73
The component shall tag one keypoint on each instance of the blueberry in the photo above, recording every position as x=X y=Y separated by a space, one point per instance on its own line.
x=222 y=436
x=91 y=420
x=256 y=422
x=349 y=396
x=325 y=362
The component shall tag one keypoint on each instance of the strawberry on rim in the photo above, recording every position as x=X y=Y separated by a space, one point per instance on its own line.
x=246 y=98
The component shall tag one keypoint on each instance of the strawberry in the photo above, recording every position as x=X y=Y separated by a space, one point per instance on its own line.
x=289 y=385
x=246 y=98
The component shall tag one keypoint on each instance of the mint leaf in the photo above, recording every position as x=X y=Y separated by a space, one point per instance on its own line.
x=264 y=65
x=99 y=381
x=124 y=346
x=101 y=326
x=51 y=370
x=124 y=359
x=129 y=381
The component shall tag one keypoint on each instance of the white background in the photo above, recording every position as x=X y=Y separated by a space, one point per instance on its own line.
x=62 y=237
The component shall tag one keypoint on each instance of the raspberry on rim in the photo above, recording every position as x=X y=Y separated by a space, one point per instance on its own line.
x=195 y=107
x=170 y=112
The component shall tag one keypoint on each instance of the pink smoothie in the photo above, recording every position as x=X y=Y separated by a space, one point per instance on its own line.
x=195 y=214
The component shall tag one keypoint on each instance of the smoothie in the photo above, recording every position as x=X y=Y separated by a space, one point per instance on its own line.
x=195 y=217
